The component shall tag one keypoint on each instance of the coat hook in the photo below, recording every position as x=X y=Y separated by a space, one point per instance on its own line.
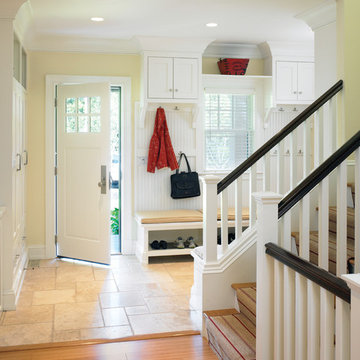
x=176 y=108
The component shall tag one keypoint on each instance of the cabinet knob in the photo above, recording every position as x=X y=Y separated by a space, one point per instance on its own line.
x=170 y=90
x=300 y=92
x=176 y=90
x=295 y=92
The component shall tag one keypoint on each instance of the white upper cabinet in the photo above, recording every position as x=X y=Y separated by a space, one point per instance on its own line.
x=186 y=78
x=294 y=82
x=172 y=78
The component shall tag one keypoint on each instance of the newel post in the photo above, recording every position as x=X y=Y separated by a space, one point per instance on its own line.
x=353 y=281
x=267 y=231
x=210 y=205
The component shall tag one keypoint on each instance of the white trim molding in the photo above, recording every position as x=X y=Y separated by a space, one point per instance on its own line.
x=227 y=50
x=126 y=155
x=319 y=16
x=36 y=252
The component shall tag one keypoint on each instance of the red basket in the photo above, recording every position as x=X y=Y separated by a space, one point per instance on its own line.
x=233 y=66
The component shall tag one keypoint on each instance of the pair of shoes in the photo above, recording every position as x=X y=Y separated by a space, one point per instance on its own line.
x=156 y=245
x=190 y=243
x=179 y=243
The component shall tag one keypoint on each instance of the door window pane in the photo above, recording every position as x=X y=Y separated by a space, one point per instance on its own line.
x=83 y=124
x=70 y=105
x=95 y=104
x=95 y=124
x=83 y=105
x=71 y=124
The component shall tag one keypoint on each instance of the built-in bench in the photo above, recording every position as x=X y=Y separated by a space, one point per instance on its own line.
x=148 y=221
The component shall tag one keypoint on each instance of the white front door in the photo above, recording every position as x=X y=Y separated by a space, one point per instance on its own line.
x=83 y=159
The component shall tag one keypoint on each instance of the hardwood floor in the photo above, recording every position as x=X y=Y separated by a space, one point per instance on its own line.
x=173 y=348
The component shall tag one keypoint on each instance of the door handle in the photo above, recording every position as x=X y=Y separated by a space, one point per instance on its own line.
x=19 y=162
x=102 y=182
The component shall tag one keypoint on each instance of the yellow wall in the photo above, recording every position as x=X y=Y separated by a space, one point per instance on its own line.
x=51 y=63
x=255 y=67
x=348 y=30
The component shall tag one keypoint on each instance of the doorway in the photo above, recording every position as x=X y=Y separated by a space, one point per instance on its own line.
x=115 y=169
x=119 y=162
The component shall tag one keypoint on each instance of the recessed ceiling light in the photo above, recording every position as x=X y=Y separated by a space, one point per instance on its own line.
x=97 y=19
x=211 y=24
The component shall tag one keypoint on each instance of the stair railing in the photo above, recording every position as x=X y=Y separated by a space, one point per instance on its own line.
x=276 y=166
x=297 y=317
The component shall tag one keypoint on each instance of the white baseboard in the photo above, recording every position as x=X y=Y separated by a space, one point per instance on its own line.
x=36 y=252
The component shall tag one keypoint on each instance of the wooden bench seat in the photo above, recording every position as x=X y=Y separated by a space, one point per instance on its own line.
x=183 y=219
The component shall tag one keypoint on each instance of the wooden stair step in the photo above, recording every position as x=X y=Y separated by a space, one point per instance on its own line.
x=350 y=221
x=232 y=336
x=246 y=299
x=332 y=248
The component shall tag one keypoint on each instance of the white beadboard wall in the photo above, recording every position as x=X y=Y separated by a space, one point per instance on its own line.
x=152 y=190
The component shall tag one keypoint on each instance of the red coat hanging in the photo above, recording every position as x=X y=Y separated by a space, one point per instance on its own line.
x=161 y=152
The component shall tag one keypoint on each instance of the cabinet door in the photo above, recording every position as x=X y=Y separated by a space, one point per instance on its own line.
x=185 y=78
x=160 y=78
x=306 y=81
x=286 y=81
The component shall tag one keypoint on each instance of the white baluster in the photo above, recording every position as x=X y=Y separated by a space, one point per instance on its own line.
x=267 y=172
x=279 y=311
x=342 y=331
x=293 y=159
x=306 y=148
x=285 y=223
x=252 y=205
x=224 y=220
x=326 y=131
x=327 y=326
x=210 y=217
x=289 y=313
x=238 y=207
x=280 y=168
x=341 y=220
x=357 y=211
x=333 y=123
x=318 y=137
x=267 y=231
x=300 y=317
x=304 y=227
x=313 y=321
x=323 y=236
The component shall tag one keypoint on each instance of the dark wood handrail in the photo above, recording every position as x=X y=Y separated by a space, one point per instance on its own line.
x=258 y=154
x=318 y=174
x=312 y=272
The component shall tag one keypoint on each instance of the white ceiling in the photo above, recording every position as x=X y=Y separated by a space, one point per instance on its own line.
x=240 y=21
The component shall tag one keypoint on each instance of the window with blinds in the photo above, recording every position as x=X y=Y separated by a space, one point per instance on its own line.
x=229 y=130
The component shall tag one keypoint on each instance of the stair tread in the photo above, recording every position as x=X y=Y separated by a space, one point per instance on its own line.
x=243 y=285
x=246 y=298
x=332 y=248
x=232 y=336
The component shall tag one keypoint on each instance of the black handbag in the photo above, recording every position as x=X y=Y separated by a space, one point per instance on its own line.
x=184 y=184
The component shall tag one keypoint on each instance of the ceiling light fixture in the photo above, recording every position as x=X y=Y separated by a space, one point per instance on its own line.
x=211 y=24
x=97 y=19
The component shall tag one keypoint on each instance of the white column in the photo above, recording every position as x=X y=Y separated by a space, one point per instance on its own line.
x=353 y=281
x=267 y=230
x=210 y=206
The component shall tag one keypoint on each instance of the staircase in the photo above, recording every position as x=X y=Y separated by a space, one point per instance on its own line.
x=350 y=231
x=232 y=333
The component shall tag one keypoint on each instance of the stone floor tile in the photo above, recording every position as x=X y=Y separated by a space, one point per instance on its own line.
x=53 y=297
x=113 y=332
x=121 y=299
x=115 y=317
x=29 y=315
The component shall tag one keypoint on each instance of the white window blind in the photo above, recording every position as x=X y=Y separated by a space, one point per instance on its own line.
x=229 y=130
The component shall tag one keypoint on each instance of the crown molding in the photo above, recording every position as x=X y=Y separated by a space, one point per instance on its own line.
x=168 y=44
x=319 y=16
x=81 y=45
x=23 y=20
x=232 y=50
x=287 y=49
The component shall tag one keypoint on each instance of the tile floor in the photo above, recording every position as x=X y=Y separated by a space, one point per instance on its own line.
x=64 y=300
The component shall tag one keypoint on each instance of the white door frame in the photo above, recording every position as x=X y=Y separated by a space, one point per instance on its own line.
x=126 y=156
